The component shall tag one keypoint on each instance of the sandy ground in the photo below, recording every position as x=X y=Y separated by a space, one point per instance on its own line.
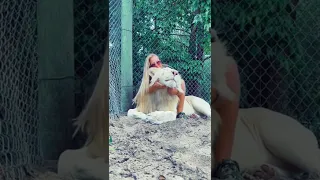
x=178 y=149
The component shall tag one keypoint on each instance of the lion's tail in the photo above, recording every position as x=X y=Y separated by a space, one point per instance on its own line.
x=199 y=105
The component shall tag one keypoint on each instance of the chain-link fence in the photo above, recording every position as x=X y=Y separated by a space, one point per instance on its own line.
x=90 y=40
x=114 y=56
x=170 y=30
x=19 y=64
x=90 y=21
x=178 y=40
x=18 y=86
x=276 y=44
x=19 y=81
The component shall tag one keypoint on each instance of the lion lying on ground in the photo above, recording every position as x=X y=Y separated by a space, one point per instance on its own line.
x=161 y=101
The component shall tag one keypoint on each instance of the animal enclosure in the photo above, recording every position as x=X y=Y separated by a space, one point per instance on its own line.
x=51 y=55
x=166 y=28
x=276 y=45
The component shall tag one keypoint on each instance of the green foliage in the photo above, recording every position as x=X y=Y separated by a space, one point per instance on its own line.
x=175 y=30
x=204 y=15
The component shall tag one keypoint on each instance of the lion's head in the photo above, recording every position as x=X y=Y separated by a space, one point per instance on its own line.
x=166 y=76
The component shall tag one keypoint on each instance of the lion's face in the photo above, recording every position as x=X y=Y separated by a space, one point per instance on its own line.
x=166 y=76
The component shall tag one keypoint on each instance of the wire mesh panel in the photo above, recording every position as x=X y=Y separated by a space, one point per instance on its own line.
x=178 y=32
x=90 y=19
x=276 y=44
x=114 y=57
x=18 y=86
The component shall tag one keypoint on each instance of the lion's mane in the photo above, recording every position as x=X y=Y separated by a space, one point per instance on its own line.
x=93 y=118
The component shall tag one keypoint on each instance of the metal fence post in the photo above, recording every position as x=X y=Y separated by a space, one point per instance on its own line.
x=56 y=75
x=126 y=56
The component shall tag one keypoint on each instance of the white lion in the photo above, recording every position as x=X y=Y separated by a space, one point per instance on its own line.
x=161 y=101
x=167 y=76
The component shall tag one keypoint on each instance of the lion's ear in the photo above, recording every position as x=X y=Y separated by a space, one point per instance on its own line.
x=152 y=71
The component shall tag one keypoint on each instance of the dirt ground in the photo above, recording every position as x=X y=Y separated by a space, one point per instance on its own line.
x=178 y=149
